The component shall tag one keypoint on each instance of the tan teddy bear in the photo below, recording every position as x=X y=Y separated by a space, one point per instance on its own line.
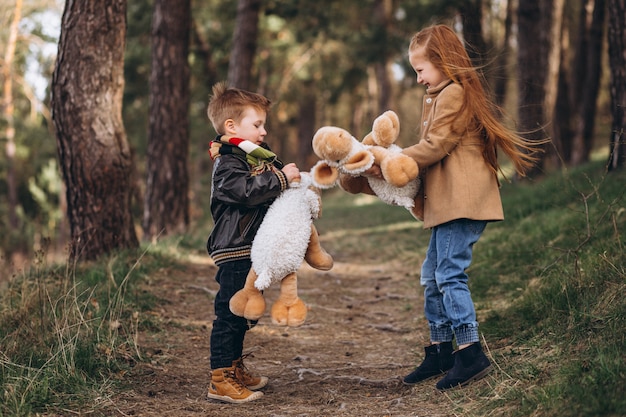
x=343 y=159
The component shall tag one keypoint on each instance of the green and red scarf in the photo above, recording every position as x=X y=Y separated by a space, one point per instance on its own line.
x=259 y=158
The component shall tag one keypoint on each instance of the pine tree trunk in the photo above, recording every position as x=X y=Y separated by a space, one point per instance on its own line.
x=8 y=107
x=94 y=154
x=166 y=203
x=617 y=60
x=531 y=70
x=244 y=44
x=502 y=59
x=590 y=63
x=535 y=66
x=562 y=129
x=472 y=15
x=307 y=116
x=383 y=10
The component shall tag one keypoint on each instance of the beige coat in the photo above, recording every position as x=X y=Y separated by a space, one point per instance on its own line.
x=456 y=181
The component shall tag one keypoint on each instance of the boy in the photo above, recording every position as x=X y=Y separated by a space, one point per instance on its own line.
x=247 y=178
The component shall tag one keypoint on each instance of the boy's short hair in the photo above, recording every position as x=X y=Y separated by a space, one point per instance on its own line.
x=230 y=103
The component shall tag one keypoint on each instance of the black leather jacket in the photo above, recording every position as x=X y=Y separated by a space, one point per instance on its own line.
x=239 y=202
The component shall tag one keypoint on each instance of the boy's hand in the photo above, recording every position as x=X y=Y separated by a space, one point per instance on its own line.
x=292 y=172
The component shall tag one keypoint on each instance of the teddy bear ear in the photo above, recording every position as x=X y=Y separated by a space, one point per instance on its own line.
x=359 y=162
x=386 y=128
x=323 y=175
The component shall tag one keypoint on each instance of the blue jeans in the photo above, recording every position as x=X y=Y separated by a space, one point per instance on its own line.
x=228 y=330
x=448 y=304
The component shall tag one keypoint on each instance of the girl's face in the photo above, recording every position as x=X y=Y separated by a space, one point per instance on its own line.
x=426 y=72
x=251 y=126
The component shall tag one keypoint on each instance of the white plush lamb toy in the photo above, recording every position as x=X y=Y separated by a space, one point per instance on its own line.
x=286 y=237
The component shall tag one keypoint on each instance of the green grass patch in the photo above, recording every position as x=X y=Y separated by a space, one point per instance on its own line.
x=67 y=332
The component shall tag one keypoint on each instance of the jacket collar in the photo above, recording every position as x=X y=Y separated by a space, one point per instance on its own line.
x=437 y=89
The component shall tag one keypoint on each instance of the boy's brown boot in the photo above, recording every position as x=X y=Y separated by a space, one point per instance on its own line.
x=225 y=386
x=252 y=382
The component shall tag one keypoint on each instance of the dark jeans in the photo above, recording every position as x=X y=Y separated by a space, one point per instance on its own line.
x=228 y=330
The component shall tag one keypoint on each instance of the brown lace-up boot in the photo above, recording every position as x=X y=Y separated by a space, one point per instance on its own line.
x=252 y=382
x=225 y=386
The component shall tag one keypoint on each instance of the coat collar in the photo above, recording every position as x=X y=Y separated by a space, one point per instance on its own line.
x=437 y=89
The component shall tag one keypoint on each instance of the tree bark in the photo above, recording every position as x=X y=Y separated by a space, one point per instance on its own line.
x=382 y=18
x=562 y=130
x=534 y=57
x=552 y=13
x=502 y=60
x=531 y=70
x=166 y=203
x=95 y=158
x=8 y=107
x=472 y=15
x=307 y=116
x=589 y=69
x=244 y=44
x=617 y=61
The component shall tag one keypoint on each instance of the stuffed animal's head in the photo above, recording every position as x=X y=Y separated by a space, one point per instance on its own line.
x=339 y=152
x=311 y=191
x=385 y=130
x=332 y=143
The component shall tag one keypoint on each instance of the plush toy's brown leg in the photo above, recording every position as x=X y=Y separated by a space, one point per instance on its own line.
x=399 y=170
x=355 y=185
x=248 y=302
x=289 y=309
x=315 y=255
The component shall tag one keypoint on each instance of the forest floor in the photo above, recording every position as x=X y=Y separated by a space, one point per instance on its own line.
x=364 y=330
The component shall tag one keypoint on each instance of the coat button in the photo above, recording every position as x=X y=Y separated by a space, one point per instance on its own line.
x=425 y=123
x=429 y=100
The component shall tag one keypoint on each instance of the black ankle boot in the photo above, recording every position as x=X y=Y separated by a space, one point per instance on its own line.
x=437 y=360
x=470 y=364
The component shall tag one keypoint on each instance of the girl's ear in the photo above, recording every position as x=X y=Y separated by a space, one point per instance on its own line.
x=229 y=126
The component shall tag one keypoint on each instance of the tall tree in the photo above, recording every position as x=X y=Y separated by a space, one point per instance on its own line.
x=617 y=61
x=471 y=12
x=502 y=58
x=382 y=14
x=244 y=44
x=166 y=203
x=562 y=127
x=588 y=69
x=8 y=108
x=94 y=155
x=539 y=35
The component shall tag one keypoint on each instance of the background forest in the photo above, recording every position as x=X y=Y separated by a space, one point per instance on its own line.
x=321 y=63
x=104 y=136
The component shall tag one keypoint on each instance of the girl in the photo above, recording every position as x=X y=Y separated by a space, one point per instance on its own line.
x=456 y=153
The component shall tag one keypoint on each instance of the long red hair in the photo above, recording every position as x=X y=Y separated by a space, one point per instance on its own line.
x=443 y=48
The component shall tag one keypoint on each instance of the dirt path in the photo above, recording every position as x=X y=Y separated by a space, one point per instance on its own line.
x=364 y=329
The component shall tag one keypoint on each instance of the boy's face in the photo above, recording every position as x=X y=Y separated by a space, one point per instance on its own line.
x=426 y=72
x=251 y=126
